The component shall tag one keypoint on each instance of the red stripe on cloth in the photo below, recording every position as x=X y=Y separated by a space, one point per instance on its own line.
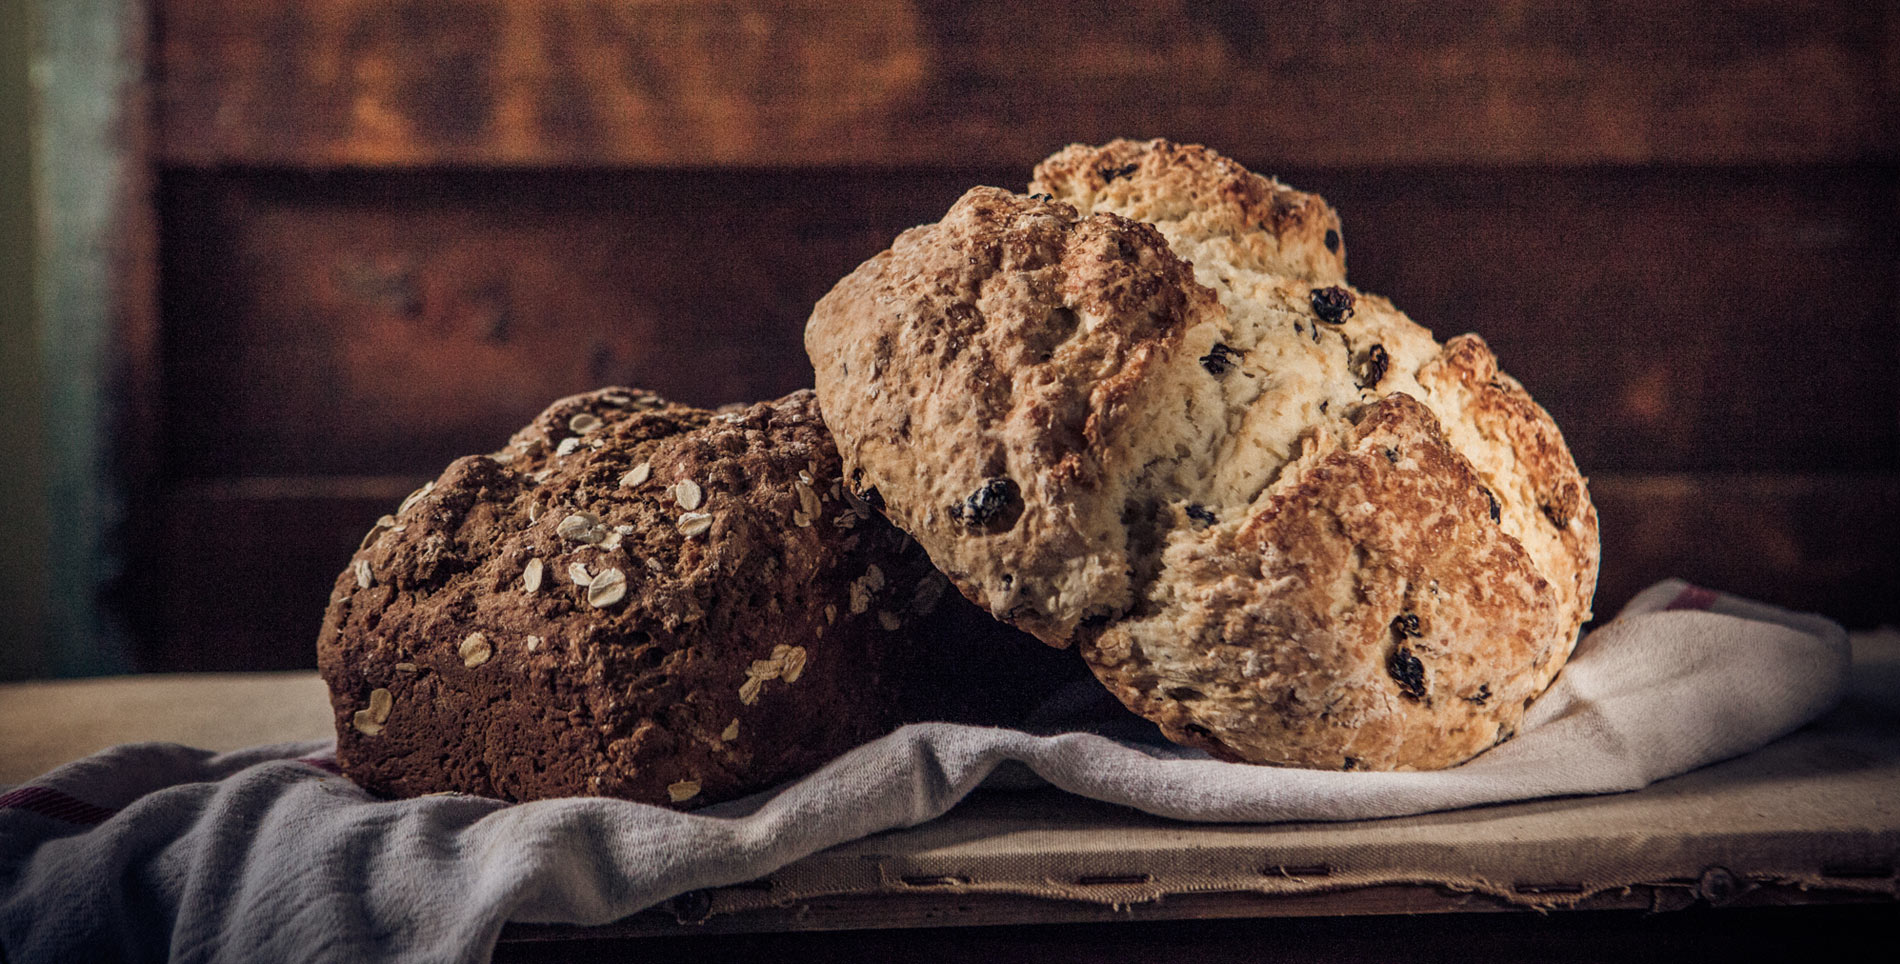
x=52 y=803
x=1693 y=597
x=324 y=763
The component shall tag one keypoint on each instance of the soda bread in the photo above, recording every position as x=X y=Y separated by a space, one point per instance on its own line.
x=632 y=599
x=1140 y=411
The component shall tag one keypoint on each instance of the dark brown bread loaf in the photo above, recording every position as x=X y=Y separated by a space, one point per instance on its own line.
x=632 y=599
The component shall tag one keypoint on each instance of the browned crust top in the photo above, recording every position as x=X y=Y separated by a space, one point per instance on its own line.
x=1262 y=223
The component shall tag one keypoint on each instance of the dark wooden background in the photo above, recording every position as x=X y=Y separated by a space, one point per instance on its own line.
x=389 y=231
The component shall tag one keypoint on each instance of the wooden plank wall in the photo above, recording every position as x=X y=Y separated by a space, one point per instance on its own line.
x=391 y=233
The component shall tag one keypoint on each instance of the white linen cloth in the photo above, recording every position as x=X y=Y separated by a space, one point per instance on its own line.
x=153 y=851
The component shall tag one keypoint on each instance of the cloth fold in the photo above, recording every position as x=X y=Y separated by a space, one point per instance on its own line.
x=155 y=851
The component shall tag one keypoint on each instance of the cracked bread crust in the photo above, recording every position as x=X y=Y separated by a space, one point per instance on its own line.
x=988 y=368
x=1368 y=615
x=1279 y=518
x=1544 y=500
x=1237 y=216
x=720 y=661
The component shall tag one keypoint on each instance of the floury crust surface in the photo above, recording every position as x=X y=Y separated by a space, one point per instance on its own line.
x=1138 y=410
x=632 y=599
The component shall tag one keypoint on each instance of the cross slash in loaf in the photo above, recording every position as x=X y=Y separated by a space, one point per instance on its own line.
x=1139 y=410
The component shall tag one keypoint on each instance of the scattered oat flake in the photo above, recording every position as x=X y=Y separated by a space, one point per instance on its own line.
x=749 y=690
x=386 y=522
x=731 y=731
x=380 y=703
x=415 y=497
x=364 y=724
x=475 y=650
x=800 y=519
x=765 y=669
x=808 y=499
x=636 y=475
x=695 y=523
x=687 y=493
x=607 y=588
x=567 y=446
x=831 y=613
x=534 y=512
x=654 y=564
x=873 y=577
x=534 y=643
x=611 y=541
x=929 y=591
x=531 y=576
x=889 y=620
x=583 y=423
x=404 y=667
x=683 y=791
x=578 y=574
x=860 y=597
x=794 y=664
x=364 y=579
x=804 y=476
x=579 y=527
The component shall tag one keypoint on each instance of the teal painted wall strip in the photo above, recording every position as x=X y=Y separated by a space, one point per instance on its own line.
x=23 y=528
x=86 y=69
